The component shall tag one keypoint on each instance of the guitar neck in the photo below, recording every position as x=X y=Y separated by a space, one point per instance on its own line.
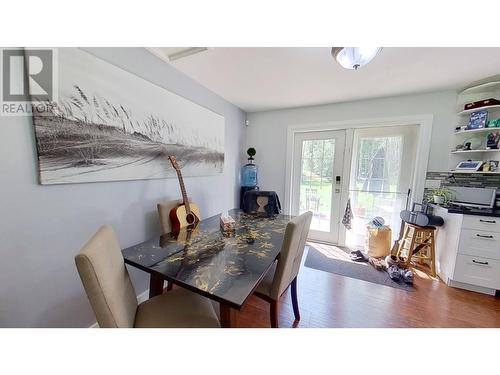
x=185 y=199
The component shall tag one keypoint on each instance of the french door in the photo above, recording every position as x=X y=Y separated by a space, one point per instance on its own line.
x=318 y=159
x=382 y=172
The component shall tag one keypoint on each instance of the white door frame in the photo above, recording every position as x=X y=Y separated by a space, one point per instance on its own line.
x=424 y=122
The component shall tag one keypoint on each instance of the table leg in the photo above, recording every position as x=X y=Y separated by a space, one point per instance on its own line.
x=155 y=285
x=226 y=315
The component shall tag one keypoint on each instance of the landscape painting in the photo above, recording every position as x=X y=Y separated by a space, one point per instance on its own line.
x=109 y=125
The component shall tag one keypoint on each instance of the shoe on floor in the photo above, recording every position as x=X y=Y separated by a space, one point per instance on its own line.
x=378 y=263
x=407 y=275
x=394 y=272
x=358 y=256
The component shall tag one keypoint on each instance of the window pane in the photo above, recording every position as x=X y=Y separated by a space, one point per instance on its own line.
x=375 y=191
x=316 y=181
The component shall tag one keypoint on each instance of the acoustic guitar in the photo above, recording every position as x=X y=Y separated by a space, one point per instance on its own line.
x=186 y=213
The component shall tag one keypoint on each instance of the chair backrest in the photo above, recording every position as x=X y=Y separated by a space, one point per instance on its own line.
x=291 y=253
x=106 y=280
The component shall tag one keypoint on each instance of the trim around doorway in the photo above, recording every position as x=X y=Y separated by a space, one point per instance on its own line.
x=423 y=147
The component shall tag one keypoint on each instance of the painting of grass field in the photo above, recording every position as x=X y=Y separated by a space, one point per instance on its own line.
x=109 y=125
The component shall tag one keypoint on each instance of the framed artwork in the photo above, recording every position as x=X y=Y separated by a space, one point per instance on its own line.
x=478 y=120
x=111 y=125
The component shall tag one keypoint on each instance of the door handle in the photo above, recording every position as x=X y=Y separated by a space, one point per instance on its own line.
x=487 y=221
x=482 y=236
x=478 y=262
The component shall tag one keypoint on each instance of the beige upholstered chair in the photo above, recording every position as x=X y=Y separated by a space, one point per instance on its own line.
x=284 y=272
x=112 y=296
x=164 y=214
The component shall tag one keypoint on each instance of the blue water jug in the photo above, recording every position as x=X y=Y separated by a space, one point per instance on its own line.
x=249 y=173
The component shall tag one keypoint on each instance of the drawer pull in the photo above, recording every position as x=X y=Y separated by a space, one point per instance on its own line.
x=483 y=236
x=488 y=221
x=478 y=262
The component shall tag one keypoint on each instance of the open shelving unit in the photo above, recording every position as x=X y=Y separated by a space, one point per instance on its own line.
x=484 y=89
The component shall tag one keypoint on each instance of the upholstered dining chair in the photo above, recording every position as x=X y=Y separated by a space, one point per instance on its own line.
x=112 y=296
x=285 y=270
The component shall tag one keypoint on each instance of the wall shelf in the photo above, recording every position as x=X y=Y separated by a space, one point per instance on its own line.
x=476 y=131
x=467 y=111
x=488 y=86
x=473 y=172
x=474 y=151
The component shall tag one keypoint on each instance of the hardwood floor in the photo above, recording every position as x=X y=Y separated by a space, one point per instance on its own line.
x=331 y=301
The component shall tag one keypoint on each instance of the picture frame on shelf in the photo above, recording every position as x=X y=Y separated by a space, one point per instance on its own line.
x=478 y=120
x=469 y=165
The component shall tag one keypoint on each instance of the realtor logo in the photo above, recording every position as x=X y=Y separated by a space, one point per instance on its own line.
x=28 y=79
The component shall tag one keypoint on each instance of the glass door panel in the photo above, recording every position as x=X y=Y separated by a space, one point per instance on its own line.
x=318 y=159
x=381 y=174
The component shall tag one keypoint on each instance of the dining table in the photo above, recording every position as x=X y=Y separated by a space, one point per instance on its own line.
x=225 y=267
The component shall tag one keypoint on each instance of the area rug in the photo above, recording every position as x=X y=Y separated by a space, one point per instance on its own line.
x=335 y=259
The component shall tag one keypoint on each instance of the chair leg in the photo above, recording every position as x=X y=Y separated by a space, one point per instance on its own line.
x=274 y=314
x=169 y=286
x=295 y=302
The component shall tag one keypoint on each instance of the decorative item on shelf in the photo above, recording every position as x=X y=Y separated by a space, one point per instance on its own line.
x=492 y=140
x=477 y=120
x=459 y=147
x=481 y=103
x=469 y=165
x=492 y=165
x=494 y=123
x=441 y=195
x=473 y=143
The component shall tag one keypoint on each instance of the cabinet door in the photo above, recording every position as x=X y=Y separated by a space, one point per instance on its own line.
x=477 y=271
x=480 y=243
x=487 y=223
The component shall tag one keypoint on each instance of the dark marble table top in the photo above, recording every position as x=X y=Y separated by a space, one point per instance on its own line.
x=204 y=260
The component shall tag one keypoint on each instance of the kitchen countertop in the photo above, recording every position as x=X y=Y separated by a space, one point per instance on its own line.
x=495 y=212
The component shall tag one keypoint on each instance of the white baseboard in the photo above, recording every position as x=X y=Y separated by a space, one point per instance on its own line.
x=144 y=296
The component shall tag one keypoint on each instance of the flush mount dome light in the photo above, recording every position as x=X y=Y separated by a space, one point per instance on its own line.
x=354 y=57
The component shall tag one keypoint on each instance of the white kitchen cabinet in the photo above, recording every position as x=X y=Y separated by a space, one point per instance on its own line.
x=468 y=251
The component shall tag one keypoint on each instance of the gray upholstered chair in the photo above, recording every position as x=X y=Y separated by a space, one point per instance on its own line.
x=113 y=299
x=285 y=270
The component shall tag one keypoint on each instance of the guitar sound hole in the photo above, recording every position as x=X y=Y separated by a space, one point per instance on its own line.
x=190 y=218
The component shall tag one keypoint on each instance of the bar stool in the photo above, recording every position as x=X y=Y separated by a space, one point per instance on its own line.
x=418 y=244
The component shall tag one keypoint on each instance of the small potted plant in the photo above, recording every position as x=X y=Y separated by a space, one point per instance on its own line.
x=251 y=153
x=441 y=195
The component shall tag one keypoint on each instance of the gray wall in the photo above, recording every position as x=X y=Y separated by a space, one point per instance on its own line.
x=43 y=227
x=271 y=148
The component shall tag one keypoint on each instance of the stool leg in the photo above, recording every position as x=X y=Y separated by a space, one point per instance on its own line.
x=432 y=249
x=401 y=243
x=410 y=250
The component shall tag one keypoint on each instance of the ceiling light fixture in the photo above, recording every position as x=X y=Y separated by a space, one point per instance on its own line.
x=354 y=57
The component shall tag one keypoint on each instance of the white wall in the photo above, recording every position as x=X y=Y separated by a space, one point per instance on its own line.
x=43 y=227
x=267 y=131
